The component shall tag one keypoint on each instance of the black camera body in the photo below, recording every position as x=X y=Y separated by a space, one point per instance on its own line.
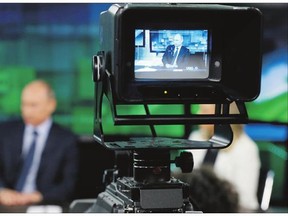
x=223 y=66
x=232 y=52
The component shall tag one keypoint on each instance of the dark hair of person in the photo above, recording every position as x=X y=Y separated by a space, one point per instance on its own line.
x=210 y=194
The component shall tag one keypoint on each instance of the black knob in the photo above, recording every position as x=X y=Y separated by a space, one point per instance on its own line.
x=185 y=162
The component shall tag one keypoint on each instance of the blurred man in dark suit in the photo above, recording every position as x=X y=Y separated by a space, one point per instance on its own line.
x=176 y=55
x=47 y=171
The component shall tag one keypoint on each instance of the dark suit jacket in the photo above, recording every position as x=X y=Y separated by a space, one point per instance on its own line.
x=183 y=56
x=58 y=166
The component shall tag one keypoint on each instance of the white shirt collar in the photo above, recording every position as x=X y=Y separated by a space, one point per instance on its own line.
x=41 y=128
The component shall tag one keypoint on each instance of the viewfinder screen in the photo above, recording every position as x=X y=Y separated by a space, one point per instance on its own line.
x=171 y=54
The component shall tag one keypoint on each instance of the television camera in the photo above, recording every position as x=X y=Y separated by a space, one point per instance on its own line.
x=223 y=66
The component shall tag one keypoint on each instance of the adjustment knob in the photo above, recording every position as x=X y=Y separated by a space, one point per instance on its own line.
x=97 y=67
x=185 y=162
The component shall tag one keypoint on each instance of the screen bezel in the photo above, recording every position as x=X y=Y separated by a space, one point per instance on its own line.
x=140 y=89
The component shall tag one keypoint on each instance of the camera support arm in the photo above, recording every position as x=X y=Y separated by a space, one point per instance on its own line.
x=221 y=119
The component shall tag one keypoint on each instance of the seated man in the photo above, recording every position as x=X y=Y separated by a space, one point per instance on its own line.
x=176 y=56
x=38 y=158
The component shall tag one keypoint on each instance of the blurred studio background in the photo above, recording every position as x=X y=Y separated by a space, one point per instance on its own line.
x=56 y=42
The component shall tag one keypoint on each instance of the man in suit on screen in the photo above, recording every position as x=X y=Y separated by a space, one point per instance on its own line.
x=176 y=55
